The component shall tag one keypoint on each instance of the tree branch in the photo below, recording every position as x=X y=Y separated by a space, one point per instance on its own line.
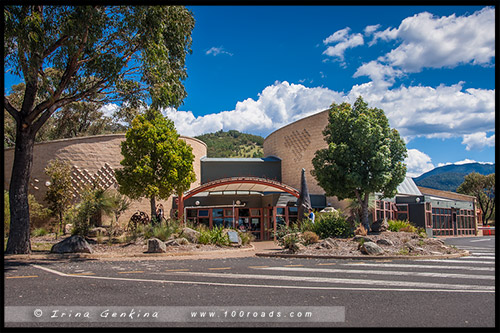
x=11 y=109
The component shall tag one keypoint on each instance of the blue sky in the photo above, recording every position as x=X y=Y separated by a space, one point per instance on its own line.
x=430 y=68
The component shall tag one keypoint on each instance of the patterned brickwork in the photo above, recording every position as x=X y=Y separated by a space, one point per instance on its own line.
x=296 y=144
x=104 y=178
x=94 y=157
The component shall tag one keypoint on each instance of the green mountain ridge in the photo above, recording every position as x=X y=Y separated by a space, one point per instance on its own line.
x=449 y=177
x=233 y=144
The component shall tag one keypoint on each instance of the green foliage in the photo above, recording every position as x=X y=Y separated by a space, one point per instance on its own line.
x=290 y=242
x=88 y=212
x=483 y=188
x=156 y=162
x=59 y=193
x=107 y=54
x=215 y=236
x=39 y=214
x=332 y=224
x=364 y=155
x=39 y=232
x=246 y=237
x=233 y=144
x=398 y=225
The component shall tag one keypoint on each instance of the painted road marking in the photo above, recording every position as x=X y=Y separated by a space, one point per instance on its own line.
x=21 y=277
x=246 y=285
x=131 y=272
x=386 y=283
x=399 y=273
x=467 y=268
x=457 y=261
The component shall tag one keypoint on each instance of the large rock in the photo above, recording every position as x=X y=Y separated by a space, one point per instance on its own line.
x=190 y=234
x=387 y=242
x=359 y=238
x=156 y=246
x=73 y=244
x=328 y=243
x=371 y=248
x=234 y=237
x=380 y=225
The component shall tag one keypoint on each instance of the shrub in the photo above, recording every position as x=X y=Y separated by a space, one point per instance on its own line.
x=215 y=236
x=361 y=231
x=246 y=237
x=39 y=232
x=332 y=224
x=398 y=225
x=290 y=242
x=309 y=237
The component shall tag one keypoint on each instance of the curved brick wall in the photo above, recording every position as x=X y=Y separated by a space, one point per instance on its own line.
x=296 y=144
x=91 y=153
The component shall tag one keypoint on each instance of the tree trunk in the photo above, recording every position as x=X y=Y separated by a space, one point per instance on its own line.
x=153 y=209
x=19 y=235
x=364 y=213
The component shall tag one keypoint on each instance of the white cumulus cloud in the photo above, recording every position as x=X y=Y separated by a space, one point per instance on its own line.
x=344 y=40
x=428 y=41
x=277 y=105
x=417 y=163
x=478 y=141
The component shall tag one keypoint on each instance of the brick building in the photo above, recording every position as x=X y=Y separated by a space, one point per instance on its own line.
x=255 y=194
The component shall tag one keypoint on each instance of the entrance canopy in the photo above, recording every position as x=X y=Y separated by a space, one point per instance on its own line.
x=242 y=184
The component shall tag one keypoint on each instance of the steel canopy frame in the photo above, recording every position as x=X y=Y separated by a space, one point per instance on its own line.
x=261 y=184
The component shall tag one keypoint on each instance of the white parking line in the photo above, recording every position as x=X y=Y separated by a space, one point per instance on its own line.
x=461 y=260
x=280 y=286
x=467 y=268
x=386 y=283
x=375 y=272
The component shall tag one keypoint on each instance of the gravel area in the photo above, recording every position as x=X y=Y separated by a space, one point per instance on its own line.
x=137 y=247
x=392 y=244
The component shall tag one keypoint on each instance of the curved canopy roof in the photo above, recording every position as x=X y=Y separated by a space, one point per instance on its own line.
x=247 y=184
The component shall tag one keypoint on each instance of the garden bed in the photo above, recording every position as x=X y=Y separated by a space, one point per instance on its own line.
x=391 y=243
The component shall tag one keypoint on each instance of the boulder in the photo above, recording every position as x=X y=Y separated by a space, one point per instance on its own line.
x=176 y=241
x=73 y=244
x=67 y=228
x=172 y=242
x=156 y=246
x=234 y=237
x=182 y=241
x=190 y=234
x=371 y=248
x=327 y=243
x=385 y=242
x=359 y=238
x=380 y=225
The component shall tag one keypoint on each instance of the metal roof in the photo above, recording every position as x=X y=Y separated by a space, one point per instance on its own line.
x=408 y=186
x=241 y=159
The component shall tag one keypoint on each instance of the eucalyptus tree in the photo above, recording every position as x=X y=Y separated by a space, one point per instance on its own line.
x=105 y=54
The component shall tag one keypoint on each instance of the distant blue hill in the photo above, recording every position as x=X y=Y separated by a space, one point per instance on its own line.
x=449 y=177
